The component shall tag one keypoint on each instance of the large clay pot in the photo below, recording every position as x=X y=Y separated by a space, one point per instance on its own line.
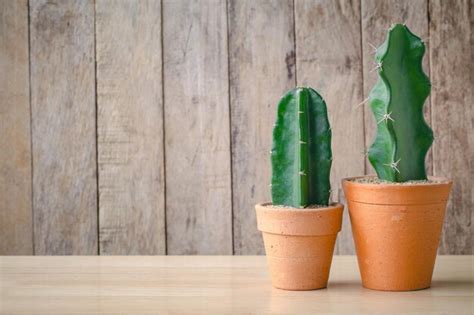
x=396 y=230
x=299 y=244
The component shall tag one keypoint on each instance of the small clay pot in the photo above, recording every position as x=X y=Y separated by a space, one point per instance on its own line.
x=299 y=244
x=396 y=230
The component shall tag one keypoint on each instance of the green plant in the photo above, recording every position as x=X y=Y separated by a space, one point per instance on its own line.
x=403 y=137
x=301 y=154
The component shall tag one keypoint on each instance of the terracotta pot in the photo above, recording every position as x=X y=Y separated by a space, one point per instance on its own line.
x=396 y=230
x=299 y=244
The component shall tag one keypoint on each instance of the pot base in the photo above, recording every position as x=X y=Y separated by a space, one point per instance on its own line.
x=299 y=263
x=392 y=289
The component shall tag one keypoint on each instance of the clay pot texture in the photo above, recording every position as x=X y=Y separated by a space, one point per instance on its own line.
x=299 y=244
x=396 y=230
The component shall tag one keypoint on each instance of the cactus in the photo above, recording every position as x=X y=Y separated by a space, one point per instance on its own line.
x=301 y=154
x=403 y=137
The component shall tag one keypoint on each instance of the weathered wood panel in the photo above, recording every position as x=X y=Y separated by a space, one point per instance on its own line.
x=130 y=127
x=377 y=17
x=262 y=68
x=64 y=137
x=328 y=58
x=452 y=112
x=15 y=143
x=198 y=176
x=333 y=50
x=471 y=71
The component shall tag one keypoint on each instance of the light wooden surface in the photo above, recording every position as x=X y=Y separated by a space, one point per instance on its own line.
x=143 y=127
x=130 y=112
x=63 y=127
x=212 y=285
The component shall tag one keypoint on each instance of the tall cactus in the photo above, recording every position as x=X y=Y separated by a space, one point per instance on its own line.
x=403 y=137
x=301 y=154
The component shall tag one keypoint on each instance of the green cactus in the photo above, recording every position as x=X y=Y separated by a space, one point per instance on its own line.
x=403 y=137
x=301 y=154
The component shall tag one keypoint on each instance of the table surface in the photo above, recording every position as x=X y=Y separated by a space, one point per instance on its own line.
x=212 y=285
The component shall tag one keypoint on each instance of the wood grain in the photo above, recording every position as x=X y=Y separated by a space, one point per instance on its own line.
x=213 y=285
x=130 y=127
x=64 y=137
x=198 y=176
x=377 y=16
x=262 y=68
x=451 y=60
x=16 y=234
x=471 y=71
x=216 y=165
x=328 y=58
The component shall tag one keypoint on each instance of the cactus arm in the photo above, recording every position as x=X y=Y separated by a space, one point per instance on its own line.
x=403 y=137
x=301 y=152
x=382 y=152
x=283 y=153
x=320 y=148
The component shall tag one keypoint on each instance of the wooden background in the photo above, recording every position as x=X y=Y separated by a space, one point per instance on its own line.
x=143 y=127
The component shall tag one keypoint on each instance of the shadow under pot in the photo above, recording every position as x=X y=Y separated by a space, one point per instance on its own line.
x=299 y=244
x=396 y=230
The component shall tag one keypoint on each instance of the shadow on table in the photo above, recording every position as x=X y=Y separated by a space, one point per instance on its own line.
x=459 y=284
x=344 y=285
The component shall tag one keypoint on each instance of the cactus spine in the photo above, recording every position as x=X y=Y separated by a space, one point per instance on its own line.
x=403 y=137
x=301 y=154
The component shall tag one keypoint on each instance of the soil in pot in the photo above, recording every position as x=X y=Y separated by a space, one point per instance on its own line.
x=299 y=244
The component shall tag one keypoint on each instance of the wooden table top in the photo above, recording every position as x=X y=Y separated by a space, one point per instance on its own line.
x=212 y=285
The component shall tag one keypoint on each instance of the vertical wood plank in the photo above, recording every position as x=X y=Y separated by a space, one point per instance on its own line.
x=377 y=16
x=130 y=128
x=16 y=234
x=64 y=136
x=328 y=58
x=452 y=113
x=471 y=71
x=262 y=68
x=198 y=176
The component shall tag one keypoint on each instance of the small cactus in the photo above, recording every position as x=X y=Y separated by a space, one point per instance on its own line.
x=403 y=137
x=301 y=154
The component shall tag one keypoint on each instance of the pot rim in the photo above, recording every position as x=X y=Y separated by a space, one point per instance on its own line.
x=396 y=194
x=441 y=181
x=299 y=222
x=332 y=206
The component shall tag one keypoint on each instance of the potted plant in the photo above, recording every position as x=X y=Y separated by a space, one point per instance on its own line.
x=397 y=216
x=300 y=226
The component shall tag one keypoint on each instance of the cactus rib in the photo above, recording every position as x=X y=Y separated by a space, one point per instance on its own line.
x=301 y=153
x=403 y=137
